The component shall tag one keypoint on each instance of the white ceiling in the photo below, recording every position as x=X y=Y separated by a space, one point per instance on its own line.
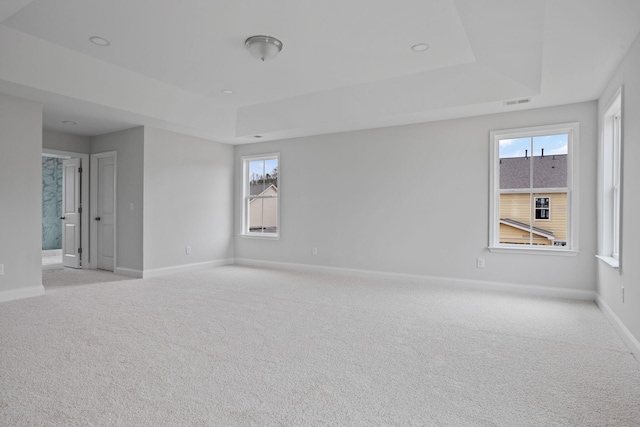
x=345 y=65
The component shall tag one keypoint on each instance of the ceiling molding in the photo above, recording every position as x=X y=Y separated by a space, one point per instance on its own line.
x=169 y=61
x=10 y=7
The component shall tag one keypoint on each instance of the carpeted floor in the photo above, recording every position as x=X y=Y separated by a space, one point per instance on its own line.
x=243 y=346
x=52 y=257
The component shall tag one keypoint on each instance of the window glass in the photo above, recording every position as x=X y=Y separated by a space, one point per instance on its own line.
x=261 y=191
x=531 y=187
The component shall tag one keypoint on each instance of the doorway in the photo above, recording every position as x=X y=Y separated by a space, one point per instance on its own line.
x=103 y=210
x=51 y=210
x=62 y=238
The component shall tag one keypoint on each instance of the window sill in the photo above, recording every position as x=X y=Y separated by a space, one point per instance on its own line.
x=609 y=260
x=533 y=251
x=260 y=236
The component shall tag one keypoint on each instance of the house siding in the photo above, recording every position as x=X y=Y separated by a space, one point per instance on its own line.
x=263 y=212
x=520 y=207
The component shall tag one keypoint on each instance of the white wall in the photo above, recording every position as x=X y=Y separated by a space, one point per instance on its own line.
x=129 y=145
x=20 y=198
x=60 y=141
x=610 y=280
x=188 y=200
x=414 y=199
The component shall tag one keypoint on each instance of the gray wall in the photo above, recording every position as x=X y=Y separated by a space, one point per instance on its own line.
x=129 y=145
x=20 y=197
x=188 y=200
x=414 y=199
x=610 y=280
x=53 y=140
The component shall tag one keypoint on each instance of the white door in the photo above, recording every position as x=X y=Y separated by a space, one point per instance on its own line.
x=71 y=210
x=106 y=212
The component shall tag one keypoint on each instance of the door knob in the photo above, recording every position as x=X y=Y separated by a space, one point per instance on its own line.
x=97 y=218
x=63 y=217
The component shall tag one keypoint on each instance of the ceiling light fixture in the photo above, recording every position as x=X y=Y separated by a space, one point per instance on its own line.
x=70 y=122
x=265 y=48
x=420 y=47
x=99 y=41
x=226 y=91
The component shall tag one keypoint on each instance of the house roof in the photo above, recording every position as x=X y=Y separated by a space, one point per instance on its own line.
x=257 y=189
x=481 y=54
x=525 y=227
x=549 y=171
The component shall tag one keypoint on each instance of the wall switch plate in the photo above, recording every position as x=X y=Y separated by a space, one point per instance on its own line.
x=187 y=250
x=622 y=293
x=1 y=269
x=480 y=262
x=314 y=251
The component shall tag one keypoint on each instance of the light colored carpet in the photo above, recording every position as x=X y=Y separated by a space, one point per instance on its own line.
x=242 y=346
x=58 y=276
x=51 y=257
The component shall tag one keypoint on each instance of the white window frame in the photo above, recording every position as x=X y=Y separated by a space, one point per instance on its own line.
x=612 y=142
x=572 y=130
x=246 y=196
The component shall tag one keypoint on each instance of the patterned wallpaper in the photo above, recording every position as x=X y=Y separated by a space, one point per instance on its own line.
x=51 y=203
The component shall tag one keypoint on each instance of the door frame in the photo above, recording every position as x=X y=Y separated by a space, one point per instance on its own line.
x=84 y=198
x=94 y=207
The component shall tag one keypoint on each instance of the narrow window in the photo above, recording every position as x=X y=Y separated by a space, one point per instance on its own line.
x=533 y=189
x=611 y=179
x=615 y=187
x=261 y=195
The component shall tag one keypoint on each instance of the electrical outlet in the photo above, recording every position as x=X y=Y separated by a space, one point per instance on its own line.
x=1 y=269
x=187 y=250
x=480 y=262
x=314 y=251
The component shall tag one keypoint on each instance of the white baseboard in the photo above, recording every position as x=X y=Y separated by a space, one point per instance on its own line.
x=625 y=334
x=13 y=294
x=157 y=272
x=544 y=291
x=129 y=272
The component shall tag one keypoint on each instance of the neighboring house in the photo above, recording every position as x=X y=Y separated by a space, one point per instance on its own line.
x=263 y=208
x=530 y=217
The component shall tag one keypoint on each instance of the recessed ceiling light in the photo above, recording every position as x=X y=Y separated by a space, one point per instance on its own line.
x=257 y=136
x=420 y=47
x=70 y=123
x=226 y=91
x=99 y=41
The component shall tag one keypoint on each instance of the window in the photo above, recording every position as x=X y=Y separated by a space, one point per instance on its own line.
x=533 y=190
x=542 y=208
x=260 y=195
x=610 y=219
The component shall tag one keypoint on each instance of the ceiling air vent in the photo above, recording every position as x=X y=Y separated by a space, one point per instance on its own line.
x=517 y=101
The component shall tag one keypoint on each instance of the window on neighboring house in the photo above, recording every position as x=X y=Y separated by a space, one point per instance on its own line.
x=542 y=208
x=260 y=195
x=610 y=219
x=532 y=176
